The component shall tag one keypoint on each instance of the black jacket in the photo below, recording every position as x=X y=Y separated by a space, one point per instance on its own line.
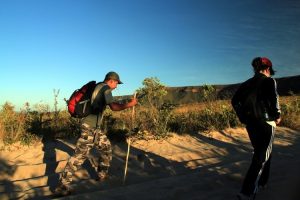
x=266 y=105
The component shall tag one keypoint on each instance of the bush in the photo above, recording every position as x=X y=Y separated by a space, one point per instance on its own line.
x=204 y=120
x=155 y=115
x=290 y=111
x=29 y=125
x=14 y=125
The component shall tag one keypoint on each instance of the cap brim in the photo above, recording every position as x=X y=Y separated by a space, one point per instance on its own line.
x=272 y=71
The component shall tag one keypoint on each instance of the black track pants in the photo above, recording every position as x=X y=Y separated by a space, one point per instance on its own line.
x=261 y=135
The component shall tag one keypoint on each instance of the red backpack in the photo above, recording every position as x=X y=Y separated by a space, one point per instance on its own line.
x=79 y=103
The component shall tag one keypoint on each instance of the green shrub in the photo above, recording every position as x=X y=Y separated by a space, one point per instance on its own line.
x=155 y=114
x=12 y=123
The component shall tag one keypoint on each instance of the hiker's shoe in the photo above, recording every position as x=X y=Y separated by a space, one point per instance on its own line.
x=262 y=187
x=242 y=196
x=102 y=177
x=62 y=190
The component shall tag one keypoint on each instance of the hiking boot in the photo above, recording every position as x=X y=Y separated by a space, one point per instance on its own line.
x=242 y=196
x=62 y=190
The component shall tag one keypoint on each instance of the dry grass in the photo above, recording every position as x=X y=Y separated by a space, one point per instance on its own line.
x=197 y=107
x=219 y=104
x=206 y=116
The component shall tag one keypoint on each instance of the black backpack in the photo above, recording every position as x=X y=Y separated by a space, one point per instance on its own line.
x=79 y=103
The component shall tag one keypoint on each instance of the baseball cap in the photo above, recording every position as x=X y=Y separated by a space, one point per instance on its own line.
x=113 y=76
x=260 y=63
x=266 y=61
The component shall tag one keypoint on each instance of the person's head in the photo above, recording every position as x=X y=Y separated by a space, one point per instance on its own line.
x=112 y=79
x=263 y=65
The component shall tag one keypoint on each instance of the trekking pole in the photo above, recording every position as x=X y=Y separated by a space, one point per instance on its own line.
x=128 y=143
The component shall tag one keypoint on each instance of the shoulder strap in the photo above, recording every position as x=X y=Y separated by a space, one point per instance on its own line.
x=96 y=91
x=98 y=125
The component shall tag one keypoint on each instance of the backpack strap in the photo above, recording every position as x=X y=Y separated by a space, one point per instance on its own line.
x=96 y=91
x=94 y=95
x=98 y=126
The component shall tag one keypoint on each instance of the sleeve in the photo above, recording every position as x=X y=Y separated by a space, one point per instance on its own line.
x=237 y=97
x=273 y=98
x=236 y=102
x=103 y=97
x=108 y=96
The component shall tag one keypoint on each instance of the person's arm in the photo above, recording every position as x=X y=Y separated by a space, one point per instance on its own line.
x=117 y=106
x=274 y=100
x=236 y=103
x=238 y=97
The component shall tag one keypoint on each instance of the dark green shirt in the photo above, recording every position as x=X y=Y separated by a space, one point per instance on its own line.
x=101 y=97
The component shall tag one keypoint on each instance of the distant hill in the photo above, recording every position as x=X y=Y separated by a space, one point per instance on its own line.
x=191 y=94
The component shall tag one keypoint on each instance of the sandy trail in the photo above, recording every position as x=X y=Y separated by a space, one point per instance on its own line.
x=196 y=166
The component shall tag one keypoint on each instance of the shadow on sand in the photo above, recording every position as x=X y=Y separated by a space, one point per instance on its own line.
x=146 y=167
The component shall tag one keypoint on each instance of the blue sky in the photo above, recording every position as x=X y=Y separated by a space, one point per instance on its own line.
x=61 y=44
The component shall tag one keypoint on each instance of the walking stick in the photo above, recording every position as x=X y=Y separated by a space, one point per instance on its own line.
x=128 y=143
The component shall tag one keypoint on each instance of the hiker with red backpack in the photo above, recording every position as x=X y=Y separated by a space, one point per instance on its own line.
x=90 y=102
x=256 y=105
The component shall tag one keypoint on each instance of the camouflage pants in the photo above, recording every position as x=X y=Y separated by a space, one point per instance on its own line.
x=83 y=145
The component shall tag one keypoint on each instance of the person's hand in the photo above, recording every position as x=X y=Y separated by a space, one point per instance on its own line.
x=133 y=102
x=277 y=121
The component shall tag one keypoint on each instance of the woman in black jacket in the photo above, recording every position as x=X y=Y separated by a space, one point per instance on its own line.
x=257 y=106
